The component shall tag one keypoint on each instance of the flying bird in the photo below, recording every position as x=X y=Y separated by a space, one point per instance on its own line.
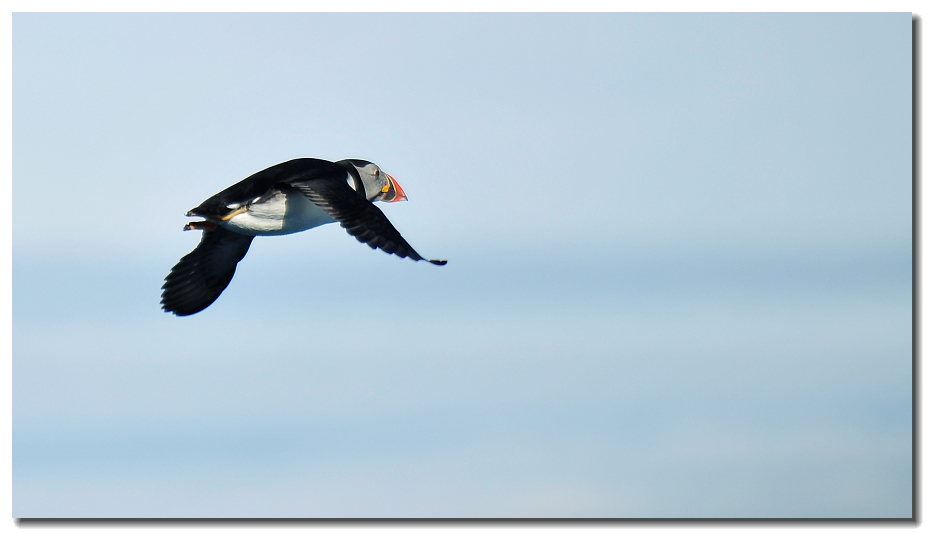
x=289 y=197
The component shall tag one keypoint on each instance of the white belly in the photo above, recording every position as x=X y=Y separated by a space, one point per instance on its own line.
x=279 y=214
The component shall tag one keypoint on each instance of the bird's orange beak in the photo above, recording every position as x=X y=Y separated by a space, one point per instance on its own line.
x=394 y=192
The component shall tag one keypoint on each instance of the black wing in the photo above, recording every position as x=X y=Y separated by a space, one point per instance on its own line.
x=358 y=215
x=200 y=276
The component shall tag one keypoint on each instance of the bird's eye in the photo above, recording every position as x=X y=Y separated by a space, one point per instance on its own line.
x=376 y=173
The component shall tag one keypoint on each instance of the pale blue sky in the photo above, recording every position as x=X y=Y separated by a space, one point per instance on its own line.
x=679 y=280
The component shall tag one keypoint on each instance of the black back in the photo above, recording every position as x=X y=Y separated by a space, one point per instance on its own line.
x=261 y=182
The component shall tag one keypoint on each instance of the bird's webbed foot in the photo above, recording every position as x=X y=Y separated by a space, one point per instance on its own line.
x=202 y=224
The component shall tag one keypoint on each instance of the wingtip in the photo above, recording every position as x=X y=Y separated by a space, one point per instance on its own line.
x=439 y=262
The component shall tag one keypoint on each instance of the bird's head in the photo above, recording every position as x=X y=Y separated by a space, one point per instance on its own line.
x=378 y=185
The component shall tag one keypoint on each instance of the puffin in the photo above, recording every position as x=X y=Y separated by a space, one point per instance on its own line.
x=286 y=198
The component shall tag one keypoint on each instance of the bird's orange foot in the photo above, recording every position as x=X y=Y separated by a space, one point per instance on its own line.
x=203 y=225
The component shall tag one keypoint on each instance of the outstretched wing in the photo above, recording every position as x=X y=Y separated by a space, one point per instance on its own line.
x=200 y=276
x=358 y=216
